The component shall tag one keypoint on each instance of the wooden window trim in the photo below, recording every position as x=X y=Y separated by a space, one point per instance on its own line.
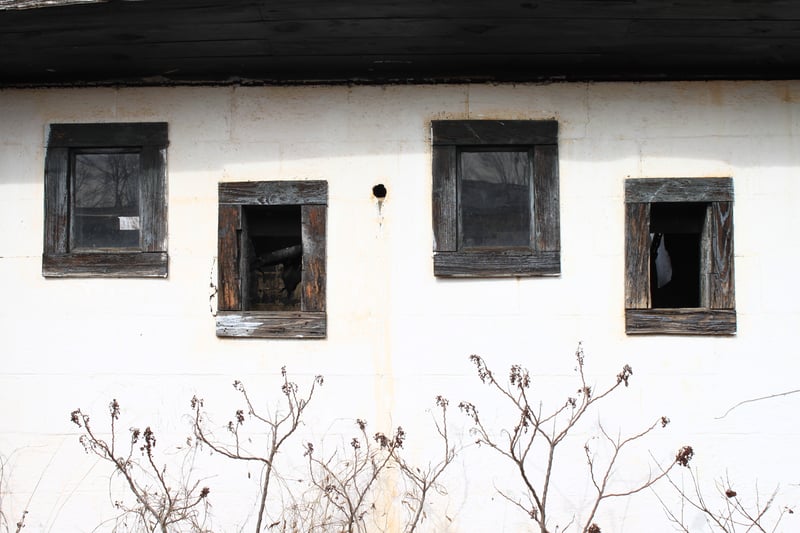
x=543 y=256
x=151 y=141
x=311 y=321
x=717 y=314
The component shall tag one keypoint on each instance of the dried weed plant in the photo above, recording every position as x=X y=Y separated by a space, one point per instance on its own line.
x=345 y=485
x=5 y=527
x=535 y=440
x=274 y=429
x=725 y=511
x=161 y=502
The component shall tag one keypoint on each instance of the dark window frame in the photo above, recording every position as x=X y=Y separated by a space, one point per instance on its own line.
x=150 y=141
x=311 y=320
x=540 y=138
x=716 y=314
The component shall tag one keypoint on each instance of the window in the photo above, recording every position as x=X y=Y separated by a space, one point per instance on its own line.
x=679 y=256
x=271 y=259
x=105 y=200
x=495 y=198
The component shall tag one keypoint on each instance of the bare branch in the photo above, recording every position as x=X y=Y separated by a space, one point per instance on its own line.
x=156 y=507
x=279 y=428
x=769 y=397
x=550 y=430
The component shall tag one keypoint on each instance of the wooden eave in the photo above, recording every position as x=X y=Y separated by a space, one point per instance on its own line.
x=174 y=42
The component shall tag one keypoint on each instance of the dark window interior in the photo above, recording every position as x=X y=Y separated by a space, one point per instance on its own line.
x=272 y=258
x=676 y=230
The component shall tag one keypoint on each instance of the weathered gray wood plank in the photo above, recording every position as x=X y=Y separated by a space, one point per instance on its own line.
x=679 y=190
x=279 y=325
x=153 y=199
x=637 y=256
x=229 y=295
x=105 y=265
x=680 y=321
x=274 y=192
x=499 y=263
x=721 y=287
x=246 y=255
x=122 y=134
x=314 y=280
x=547 y=228
x=445 y=202
x=493 y=132
x=56 y=201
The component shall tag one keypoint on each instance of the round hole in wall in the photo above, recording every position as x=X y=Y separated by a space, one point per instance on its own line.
x=379 y=191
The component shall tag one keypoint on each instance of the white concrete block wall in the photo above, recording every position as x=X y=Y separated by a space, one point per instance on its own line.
x=397 y=336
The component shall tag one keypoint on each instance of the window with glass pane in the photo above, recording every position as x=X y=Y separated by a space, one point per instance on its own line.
x=495 y=198
x=105 y=209
x=105 y=200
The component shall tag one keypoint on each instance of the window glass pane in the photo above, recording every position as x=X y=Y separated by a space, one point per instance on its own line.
x=105 y=208
x=495 y=199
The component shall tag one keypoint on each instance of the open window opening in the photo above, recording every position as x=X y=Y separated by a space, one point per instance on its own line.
x=679 y=256
x=676 y=230
x=272 y=258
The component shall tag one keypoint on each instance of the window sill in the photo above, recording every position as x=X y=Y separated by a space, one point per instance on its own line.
x=272 y=325
x=105 y=265
x=509 y=263
x=682 y=321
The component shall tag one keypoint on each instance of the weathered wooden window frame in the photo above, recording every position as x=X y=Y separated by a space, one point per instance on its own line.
x=540 y=138
x=717 y=312
x=311 y=320
x=150 y=141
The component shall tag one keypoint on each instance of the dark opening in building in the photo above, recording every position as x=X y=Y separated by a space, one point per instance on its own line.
x=676 y=230
x=272 y=258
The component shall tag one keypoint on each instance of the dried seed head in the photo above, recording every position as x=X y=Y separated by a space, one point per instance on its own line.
x=399 y=437
x=519 y=377
x=625 y=375
x=113 y=409
x=684 y=455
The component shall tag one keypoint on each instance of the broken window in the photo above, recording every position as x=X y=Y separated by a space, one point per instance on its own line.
x=495 y=198
x=271 y=259
x=105 y=200
x=679 y=256
x=676 y=229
